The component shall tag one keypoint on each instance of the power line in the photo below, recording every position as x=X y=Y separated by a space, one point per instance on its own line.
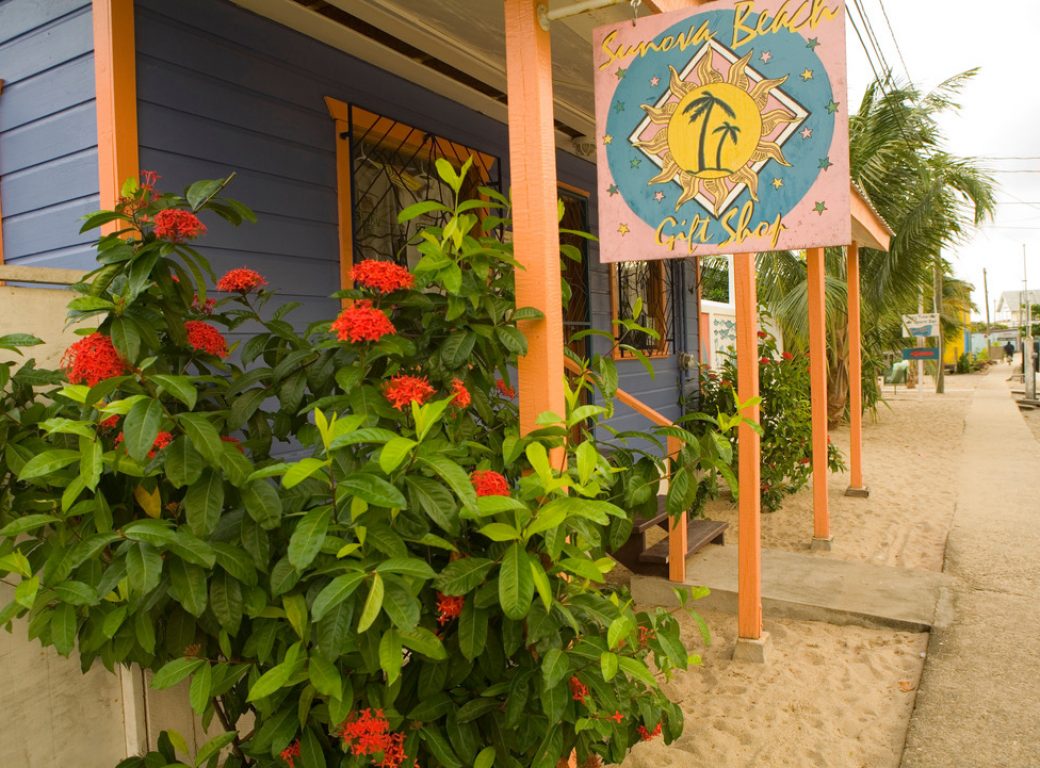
x=872 y=37
x=895 y=42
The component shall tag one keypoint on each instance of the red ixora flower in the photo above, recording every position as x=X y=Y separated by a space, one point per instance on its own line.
x=788 y=356
x=764 y=360
x=762 y=335
x=149 y=179
x=505 y=389
x=462 y=395
x=617 y=717
x=241 y=280
x=382 y=276
x=578 y=689
x=110 y=423
x=646 y=735
x=488 y=482
x=449 y=607
x=205 y=338
x=202 y=307
x=368 y=733
x=405 y=389
x=92 y=359
x=362 y=322
x=290 y=753
x=177 y=226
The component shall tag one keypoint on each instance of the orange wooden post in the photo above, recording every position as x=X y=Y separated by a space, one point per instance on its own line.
x=856 y=486
x=339 y=111
x=115 y=75
x=536 y=233
x=677 y=531
x=818 y=382
x=749 y=543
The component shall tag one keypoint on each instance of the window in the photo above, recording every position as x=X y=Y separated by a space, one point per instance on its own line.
x=715 y=279
x=575 y=259
x=646 y=286
x=392 y=167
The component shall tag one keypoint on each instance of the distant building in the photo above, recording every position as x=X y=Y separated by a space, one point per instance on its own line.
x=1010 y=306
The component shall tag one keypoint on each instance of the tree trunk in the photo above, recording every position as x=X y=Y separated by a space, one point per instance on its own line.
x=838 y=374
x=940 y=383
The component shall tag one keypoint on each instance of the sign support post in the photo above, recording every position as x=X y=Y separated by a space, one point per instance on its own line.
x=818 y=384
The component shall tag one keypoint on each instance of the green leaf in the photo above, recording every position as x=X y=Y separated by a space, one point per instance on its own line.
x=457 y=349
x=178 y=386
x=174 y=672
x=486 y=758
x=225 y=598
x=307 y=539
x=620 y=629
x=555 y=667
x=236 y=562
x=277 y=677
x=375 y=490
x=188 y=586
x=143 y=568
x=373 y=604
x=27 y=523
x=608 y=665
x=541 y=583
x=435 y=500
x=183 y=464
x=637 y=670
x=140 y=428
x=390 y=656
x=463 y=576
x=422 y=640
x=63 y=629
x=76 y=593
x=515 y=583
x=47 y=463
x=203 y=435
x=499 y=532
x=199 y=691
x=335 y=592
x=213 y=747
x=473 y=630
x=418 y=209
x=263 y=503
x=395 y=452
x=125 y=338
x=300 y=471
x=588 y=458
x=200 y=193
x=325 y=677
x=204 y=503
x=511 y=339
x=455 y=476
x=407 y=566
x=400 y=605
x=586 y=569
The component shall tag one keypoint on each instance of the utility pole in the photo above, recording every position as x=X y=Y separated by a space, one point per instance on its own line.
x=940 y=378
x=1028 y=373
x=985 y=293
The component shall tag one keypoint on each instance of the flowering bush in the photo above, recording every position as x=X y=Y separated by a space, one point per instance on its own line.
x=420 y=585
x=786 y=418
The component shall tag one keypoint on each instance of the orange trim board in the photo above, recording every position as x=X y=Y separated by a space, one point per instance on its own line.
x=116 y=89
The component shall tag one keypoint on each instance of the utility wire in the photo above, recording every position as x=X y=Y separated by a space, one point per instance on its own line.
x=895 y=42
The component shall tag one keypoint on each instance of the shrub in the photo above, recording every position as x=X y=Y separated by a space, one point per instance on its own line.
x=786 y=417
x=419 y=584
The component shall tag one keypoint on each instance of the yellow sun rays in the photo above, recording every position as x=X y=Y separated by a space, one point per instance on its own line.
x=716 y=183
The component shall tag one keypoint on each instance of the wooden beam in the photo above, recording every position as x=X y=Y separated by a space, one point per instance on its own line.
x=536 y=232
x=749 y=534
x=115 y=68
x=868 y=228
x=339 y=111
x=818 y=383
x=856 y=487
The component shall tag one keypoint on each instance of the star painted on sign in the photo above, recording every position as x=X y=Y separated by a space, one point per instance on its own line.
x=619 y=107
x=825 y=163
x=777 y=183
x=820 y=207
x=807 y=133
x=658 y=196
x=655 y=81
x=635 y=162
x=620 y=73
x=607 y=138
x=623 y=229
x=612 y=190
x=765 y=57
x=832 y=107
x=807 y=74
x=813 y=42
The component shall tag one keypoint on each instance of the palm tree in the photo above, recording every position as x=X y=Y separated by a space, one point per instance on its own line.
x=728 y=131
x=702 y=107
x=932 y=200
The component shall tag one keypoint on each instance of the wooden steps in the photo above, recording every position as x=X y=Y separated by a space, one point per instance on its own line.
x=652 y=560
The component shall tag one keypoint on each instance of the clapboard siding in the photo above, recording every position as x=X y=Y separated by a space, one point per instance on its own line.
x=48 y=130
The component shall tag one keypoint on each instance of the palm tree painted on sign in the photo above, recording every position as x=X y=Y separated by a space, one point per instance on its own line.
x=701 y=109
x=728 y=131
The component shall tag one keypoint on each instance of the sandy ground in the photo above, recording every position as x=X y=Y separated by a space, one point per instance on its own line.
x=830 y=695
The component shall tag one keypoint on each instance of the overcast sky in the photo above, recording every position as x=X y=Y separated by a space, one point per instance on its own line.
x=999 y=119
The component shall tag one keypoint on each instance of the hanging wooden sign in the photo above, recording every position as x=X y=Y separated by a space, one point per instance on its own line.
x=723 y=129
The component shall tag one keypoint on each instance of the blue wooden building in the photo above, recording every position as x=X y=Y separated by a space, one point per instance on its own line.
x=331 y=114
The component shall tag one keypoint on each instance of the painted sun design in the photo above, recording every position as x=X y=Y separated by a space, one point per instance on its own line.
x=714 y=135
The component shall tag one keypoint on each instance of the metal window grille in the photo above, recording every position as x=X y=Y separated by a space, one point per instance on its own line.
x=646 y=286
x=576 y=310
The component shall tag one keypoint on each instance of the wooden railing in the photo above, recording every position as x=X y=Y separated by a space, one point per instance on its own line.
x=677 y=529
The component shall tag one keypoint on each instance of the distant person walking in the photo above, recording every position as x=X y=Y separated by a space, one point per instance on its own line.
x=1009 y=352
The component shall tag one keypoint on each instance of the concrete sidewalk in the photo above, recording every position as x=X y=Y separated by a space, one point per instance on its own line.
x=979 y=698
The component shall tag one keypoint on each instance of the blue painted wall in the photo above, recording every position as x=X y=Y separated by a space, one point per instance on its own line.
x=48 y=131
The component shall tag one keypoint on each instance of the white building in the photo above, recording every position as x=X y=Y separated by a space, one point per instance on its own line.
x=1011 y=305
